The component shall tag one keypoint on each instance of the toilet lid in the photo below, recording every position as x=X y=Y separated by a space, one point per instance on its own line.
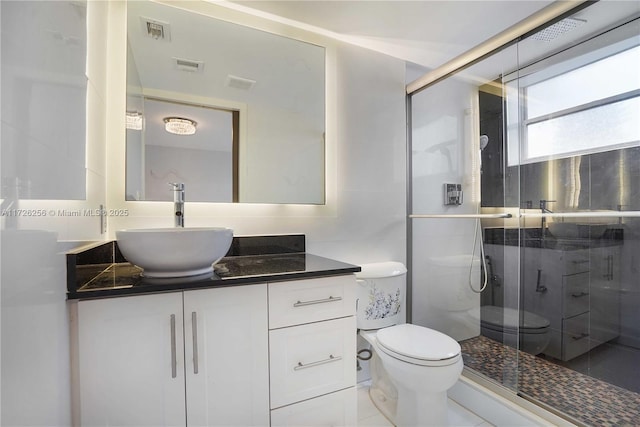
x=505 y=318
x=417 y=342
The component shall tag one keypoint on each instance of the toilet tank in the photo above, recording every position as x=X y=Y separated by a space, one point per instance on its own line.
x=380 y=294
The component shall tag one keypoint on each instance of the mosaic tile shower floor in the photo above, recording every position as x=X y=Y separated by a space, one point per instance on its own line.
x=587 y=400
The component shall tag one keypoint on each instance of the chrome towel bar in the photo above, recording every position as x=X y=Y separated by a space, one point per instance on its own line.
x=480 y=216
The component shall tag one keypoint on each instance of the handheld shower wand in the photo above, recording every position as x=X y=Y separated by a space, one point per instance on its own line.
x=484 y=141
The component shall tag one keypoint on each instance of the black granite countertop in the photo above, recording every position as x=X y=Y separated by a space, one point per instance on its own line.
x=87 y=280
x=534 y=238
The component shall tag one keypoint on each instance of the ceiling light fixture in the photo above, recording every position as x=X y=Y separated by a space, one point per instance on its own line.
x=135 y=120
x=180 y=126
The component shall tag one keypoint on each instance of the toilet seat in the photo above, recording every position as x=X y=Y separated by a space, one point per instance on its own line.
x=505 y=319
x=418 y=345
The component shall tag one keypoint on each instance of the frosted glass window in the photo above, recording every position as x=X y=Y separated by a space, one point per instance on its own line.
x=607 y=77
x=613 y=125
x=587 y=109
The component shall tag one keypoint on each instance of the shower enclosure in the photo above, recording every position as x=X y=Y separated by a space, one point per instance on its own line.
x=524 y=211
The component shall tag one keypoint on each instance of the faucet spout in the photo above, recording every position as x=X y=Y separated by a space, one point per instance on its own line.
x=178 y=203
x=543 y=221
x=543 y=206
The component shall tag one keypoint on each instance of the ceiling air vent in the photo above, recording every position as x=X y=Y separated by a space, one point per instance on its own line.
x=157 y=30
x=188 y=65
x=239 y=82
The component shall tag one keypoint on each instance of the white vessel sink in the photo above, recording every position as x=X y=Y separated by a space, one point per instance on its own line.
x=174 y=252
x=570 y=230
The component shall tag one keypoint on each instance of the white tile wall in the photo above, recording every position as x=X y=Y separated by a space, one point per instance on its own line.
x=362 y=222
x=35 y=375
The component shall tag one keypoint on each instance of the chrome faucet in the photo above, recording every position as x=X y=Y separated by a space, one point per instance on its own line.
x=544 y=209
x=178 y=203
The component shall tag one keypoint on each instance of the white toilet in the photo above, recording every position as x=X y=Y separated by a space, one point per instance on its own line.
x=530 y=331
x=412 y=367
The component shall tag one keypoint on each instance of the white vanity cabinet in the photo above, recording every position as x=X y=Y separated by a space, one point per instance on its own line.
x=183 y=358
x=605 y=294
x=578 y=292
x=249 y=355
x=312 y=352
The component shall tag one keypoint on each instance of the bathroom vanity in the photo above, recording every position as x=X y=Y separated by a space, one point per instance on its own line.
x=573 y=283
x=579 y=293
x=268 y=339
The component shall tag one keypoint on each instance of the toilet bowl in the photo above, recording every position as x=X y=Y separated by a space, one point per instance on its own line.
x=530 y=331
x=412 y=367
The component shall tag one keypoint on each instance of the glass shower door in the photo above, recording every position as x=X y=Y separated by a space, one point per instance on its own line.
x=464 y=253
x=573 y=122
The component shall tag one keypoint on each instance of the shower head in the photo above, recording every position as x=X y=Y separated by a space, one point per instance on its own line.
x=484 y=141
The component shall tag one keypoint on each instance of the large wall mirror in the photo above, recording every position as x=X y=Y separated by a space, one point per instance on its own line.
x=250 y=107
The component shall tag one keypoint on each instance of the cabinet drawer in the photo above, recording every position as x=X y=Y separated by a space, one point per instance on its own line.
x=334 y=409
x=312 y=300
x=575 y=336
x=575 y=294
x=576 y=262
x=310 y=360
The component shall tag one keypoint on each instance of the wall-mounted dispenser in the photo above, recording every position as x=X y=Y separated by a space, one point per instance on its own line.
x=452 y=194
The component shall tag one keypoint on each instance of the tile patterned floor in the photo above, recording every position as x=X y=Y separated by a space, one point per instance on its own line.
x=368 y=415
x=586 y=399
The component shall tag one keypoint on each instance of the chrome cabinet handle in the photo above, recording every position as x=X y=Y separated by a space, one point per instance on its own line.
x=539 y=286
x=174 y=361
x=579 y=337
x=194 y=331
x=581 y=294
x=317 y=301
x=331 y=358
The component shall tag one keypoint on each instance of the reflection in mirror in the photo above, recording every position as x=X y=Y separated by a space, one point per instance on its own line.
x=257 y=99
x=205 y=161
x=44 y=92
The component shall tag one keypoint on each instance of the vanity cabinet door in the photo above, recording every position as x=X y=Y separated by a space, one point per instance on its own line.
x=226 y=354
x=130 y=361
x=605 y=294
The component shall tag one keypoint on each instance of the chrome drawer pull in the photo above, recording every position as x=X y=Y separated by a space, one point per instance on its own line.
x=579 y=337
x=317 y=301
x=194 y=331
x=174 y=360
x=581 y=294
x=331 y=358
